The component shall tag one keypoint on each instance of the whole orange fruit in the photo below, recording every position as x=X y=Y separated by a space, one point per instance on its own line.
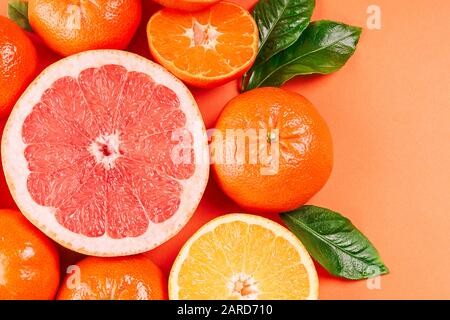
x=70 y=27
x=29 y=262
x=119 y=278
x=18 y=62
x=275 y=150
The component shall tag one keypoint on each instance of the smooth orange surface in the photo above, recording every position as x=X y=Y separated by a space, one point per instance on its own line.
x=389 y=111
x=295 y=128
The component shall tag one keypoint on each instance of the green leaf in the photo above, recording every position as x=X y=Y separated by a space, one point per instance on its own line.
x=18 y=12
x=280 y=24
x=324 y=47
x=335 y=243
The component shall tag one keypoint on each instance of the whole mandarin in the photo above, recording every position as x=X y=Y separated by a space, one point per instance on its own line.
x=18 y=63
x=118 y=278
x=291 y=159
x=70 y=27
x=29 y=262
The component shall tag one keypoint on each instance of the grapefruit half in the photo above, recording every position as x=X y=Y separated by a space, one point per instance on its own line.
x=106 y=153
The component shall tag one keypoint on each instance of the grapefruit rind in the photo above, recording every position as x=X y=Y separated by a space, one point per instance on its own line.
x=278 y=229
x=16 y=170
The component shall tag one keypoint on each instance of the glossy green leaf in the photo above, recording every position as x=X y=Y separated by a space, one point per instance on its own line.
x=18 y=12
x=280 y=24
x=324 y=47
x=335 y=243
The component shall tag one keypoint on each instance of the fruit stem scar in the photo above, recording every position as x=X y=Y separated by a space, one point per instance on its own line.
x=272 y=136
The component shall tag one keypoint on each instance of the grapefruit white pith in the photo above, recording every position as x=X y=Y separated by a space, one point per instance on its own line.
x=106 y=152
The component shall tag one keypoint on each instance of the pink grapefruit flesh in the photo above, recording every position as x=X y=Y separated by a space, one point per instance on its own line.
x=105 y=153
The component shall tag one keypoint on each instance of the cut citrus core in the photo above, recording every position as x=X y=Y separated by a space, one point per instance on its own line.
x=242 y=256
x=205 y=48
x=105 y=153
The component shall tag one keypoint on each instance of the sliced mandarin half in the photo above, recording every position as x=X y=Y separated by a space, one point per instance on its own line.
x=206 y=48
x=242 y=256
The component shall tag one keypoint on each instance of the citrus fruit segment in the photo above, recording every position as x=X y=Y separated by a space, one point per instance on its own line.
x=241 y=256
x=18 y=63
x=187 y=5
x=205 y=48
x=105 y=153
x=29 y=262
x=120 y=278
x=279 y=153
x=70 y=27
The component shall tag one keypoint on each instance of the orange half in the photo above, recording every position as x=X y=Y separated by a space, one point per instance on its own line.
x=244 y=257
x=205 y=48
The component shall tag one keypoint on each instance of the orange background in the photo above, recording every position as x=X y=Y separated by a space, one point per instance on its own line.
x=389 y=113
